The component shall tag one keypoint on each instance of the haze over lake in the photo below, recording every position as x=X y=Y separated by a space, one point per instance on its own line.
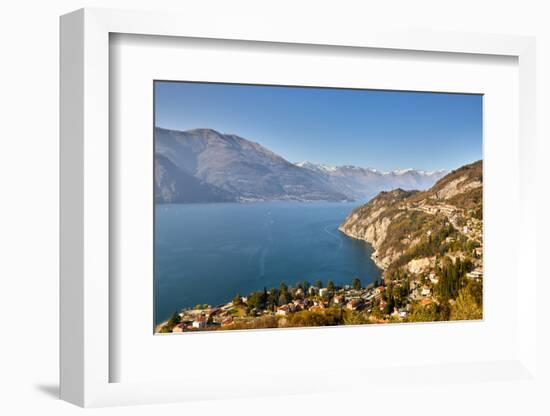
x=206 y=253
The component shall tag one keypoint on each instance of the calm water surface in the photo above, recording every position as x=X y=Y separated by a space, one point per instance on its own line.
x=206 y=253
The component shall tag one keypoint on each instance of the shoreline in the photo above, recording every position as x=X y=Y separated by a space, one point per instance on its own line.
x=373 y=257
x=333 y=304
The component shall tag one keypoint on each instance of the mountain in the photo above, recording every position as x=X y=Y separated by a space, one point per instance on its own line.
x=412 y=229
x=173 y=184
x=203 y=165
x=242 y=169
x=364 y=183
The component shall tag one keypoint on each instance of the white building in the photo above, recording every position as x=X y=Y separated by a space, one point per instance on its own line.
x=433 y=278
x=283 y=310
x=199 y=322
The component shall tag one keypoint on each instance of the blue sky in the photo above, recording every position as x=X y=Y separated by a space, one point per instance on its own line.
x=380 y=129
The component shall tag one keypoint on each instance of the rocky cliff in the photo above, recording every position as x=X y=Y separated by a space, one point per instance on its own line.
x=411 y=228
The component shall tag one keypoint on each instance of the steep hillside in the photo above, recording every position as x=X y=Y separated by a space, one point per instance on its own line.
x=412 y=229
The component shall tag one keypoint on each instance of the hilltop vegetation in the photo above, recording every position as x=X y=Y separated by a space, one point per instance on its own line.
x=432 y=238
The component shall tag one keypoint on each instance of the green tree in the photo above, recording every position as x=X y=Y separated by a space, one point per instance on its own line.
x=444 y=311
x=356 y=283
x=262 y=304
x=390 y=302
x=237 y=300
x=284 y=295
x=258 y=300
x=272 y=299
x=355 y=318
x=171 y=323
x=419 y=313
x=330 y=286
x=318 y=284
x=375 y=311
x=451 y=278
x=283 y=298
x=328 y=295
x=308 y=318
x=465 y=307
x=174 y=319
x=399 y=294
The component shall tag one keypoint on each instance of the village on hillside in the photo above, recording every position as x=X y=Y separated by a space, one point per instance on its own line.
x=407 y=297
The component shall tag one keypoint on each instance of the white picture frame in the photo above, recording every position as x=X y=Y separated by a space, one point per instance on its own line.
x=86 y=355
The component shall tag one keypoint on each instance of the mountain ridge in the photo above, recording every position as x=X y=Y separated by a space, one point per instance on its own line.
x=230 y=168
x=362 y=183
x=395 y=222
x=400 y=171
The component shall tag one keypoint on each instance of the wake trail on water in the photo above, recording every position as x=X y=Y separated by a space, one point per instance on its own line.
x=261 y=262
x=336 y=236
x=264 y=250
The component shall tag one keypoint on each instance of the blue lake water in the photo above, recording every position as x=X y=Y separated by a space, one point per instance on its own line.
x=206 y=253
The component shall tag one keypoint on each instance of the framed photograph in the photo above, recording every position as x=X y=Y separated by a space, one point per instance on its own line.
x=273 y=198
x=246 y=239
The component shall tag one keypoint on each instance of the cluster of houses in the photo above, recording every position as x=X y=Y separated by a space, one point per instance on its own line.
x=436 y=209
x=295 y=306
x=196 y=319
x=315 y=300
x=197 y=322
x=352 y=302
x=350 y=299
x=471 y=228
x=420 y=290
x=476 y=274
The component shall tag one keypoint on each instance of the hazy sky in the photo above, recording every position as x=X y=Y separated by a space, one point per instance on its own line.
x=379 y=129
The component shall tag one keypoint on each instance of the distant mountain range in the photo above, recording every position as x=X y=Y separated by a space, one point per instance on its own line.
x=203 y=165
x=364 y=183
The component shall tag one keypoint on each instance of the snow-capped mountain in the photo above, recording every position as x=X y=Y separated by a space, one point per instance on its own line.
x=363 y=183
x=203 y=165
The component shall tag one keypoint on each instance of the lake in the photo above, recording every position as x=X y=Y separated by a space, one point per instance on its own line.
x=206 y=253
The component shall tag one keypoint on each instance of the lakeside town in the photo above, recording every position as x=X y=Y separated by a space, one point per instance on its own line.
x=408 y=297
